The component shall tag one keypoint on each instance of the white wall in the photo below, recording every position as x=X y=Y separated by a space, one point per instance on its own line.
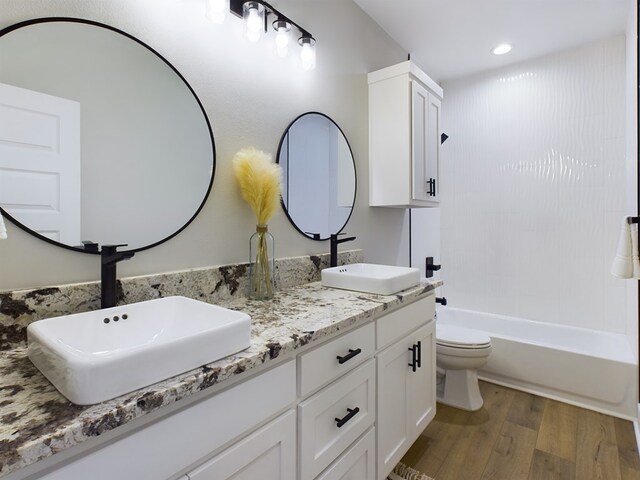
x=534 y=188
x=632 y=155
x=250 y=96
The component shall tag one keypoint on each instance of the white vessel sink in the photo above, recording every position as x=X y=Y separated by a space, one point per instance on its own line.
x=95 y=356
x=371 y=278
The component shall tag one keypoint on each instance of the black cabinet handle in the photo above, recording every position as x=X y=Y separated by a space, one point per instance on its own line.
x=349 y=356
x=419 y=359
x=352 y=413
x=432 y=187
x=414 y=358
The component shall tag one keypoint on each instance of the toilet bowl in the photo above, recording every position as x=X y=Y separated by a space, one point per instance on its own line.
x=460 y=352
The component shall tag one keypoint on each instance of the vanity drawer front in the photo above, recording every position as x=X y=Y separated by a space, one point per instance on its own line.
x=401 y=322
x=320 y=366
x=350 y=400
x=358 y=462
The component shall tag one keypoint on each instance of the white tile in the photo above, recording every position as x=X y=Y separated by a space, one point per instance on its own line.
x=534 y=188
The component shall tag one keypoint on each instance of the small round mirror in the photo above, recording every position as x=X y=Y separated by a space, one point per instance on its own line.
x=319 y=176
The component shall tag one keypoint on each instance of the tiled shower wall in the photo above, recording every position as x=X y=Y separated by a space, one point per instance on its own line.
x=534 y=188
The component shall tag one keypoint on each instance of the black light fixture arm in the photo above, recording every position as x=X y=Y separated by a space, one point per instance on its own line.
x=236 y=8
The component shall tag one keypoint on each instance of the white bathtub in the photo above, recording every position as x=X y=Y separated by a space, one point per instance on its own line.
x=592 y=369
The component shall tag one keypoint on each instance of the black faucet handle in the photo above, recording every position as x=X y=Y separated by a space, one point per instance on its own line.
x=430 y=267
x=90 y=246
x=108 y=249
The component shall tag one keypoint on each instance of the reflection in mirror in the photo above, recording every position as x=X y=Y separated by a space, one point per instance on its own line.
x=319 y=176
x=101 y=139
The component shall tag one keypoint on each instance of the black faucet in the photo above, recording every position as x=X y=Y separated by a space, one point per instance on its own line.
x=110 y=257
x=334 y=247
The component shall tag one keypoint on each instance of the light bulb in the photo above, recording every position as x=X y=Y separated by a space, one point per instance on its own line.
x=282 y=28
x=253 y=14
x=308 y=52
x=217 y=10
x=501 y=49
x=253 y=22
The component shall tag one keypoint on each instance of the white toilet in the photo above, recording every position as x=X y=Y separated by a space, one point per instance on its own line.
x=460 y=352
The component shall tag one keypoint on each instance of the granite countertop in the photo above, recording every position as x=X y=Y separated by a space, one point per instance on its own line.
x=36 y=421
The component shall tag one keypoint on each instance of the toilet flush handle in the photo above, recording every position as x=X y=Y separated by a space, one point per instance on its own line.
x=441 y=300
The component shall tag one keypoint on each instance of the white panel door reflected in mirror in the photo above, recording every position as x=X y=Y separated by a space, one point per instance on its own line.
x=146 y=152
x=40 y=179
x=319 y=176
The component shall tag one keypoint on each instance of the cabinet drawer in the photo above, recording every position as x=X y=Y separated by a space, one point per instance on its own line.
x=350 y=399
x=358 y=462
x=268 y=454
x=401 y=322
x=320 y=366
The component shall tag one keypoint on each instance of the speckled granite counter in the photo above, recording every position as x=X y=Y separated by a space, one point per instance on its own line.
x=36 y=421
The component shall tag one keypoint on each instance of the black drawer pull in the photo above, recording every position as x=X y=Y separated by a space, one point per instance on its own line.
x=349 y=356
x=414 y=358
x=352 y=413
x=419 y=359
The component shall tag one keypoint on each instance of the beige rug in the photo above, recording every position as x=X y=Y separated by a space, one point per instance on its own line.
x=402 y=472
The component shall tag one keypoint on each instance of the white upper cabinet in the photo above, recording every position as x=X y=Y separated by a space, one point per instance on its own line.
x=404 y=137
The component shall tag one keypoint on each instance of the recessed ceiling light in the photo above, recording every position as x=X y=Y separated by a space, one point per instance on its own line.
x=501 y=49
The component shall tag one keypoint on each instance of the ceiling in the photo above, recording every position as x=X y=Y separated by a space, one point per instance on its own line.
x=453 y=38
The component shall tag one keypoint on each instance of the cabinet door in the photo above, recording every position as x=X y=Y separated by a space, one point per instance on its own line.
x=393 y=375
x=406 y=399
x=421 y=386
x=421 y=188
x=432 y=137
x=267 y=454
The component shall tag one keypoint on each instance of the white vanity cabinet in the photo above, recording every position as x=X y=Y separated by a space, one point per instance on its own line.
x=406 y=382
x=404 y=137
x=347 y=409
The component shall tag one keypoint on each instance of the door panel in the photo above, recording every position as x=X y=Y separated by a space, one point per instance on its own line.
x=40 y=155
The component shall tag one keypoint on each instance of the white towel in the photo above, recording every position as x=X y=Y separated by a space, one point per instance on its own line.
x=622 y=266
x=634 y=251
x=3 y=229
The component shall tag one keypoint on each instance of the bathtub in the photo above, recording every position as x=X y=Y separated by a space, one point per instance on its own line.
x=588 y=368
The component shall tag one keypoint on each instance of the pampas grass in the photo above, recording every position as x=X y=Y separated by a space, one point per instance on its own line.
x=259 y=180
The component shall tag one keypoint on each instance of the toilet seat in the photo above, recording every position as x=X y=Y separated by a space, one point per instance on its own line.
x=461 y=338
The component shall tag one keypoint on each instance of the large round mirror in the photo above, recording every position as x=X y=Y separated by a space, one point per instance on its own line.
x=319 y=176
x=101 y=139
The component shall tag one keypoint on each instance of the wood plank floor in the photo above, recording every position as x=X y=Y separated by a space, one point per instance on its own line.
x=517 y=435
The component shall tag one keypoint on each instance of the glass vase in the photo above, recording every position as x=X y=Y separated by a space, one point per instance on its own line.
x=261 y=264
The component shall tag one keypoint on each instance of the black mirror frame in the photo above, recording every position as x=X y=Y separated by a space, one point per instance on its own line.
x=35 y=21
x=355 y=175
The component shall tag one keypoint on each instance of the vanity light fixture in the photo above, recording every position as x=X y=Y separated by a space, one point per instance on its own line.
x=254 y=17
x=501 y=49
x=255 y=14
x=282 y=28
x=308 y=52
x=217 y=10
